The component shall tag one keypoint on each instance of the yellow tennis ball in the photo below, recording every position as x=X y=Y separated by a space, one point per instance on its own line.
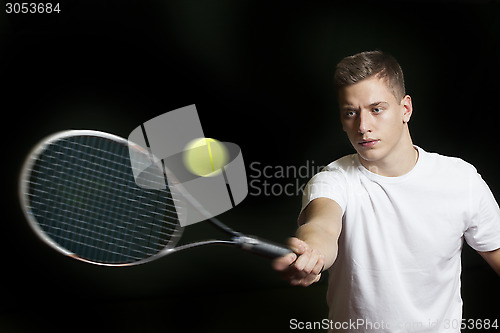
x=205 y=157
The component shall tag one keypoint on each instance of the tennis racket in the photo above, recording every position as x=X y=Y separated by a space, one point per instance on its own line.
x=79 y=195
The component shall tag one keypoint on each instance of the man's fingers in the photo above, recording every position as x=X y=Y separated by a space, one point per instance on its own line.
x=306 y=280
x=320 y=264
x=283 y=263
x=302 y=261
x=298 y=246
x=318 y=277
x=303 y=267
x=312 y=263
x=309 y=261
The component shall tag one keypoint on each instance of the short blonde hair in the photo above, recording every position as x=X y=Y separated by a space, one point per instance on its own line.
x=355 y=68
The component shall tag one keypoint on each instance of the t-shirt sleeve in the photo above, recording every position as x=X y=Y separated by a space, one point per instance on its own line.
x=483 y=231
x=331 y=184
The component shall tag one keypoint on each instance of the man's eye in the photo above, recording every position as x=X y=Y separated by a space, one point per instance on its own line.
x=350 y=113
x=377 y=110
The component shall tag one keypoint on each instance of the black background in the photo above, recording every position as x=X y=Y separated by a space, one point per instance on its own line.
x=260 y=75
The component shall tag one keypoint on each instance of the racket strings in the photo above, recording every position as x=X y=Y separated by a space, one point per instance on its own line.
x=83 y=194
x=81 y=191
x=112 y=173
x=92 y=182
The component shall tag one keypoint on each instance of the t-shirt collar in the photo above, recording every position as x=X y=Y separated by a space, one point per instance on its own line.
x=385 y=179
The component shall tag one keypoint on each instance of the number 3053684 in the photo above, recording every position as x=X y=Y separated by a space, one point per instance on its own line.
x=32 y=8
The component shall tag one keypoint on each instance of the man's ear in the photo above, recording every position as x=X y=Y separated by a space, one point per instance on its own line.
x=407 y=108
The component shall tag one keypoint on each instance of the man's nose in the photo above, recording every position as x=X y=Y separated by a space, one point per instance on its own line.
x=364 y=125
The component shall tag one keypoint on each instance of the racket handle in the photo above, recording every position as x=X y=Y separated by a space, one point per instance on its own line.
x=262 y=247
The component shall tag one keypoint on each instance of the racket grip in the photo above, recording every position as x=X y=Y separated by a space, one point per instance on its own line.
x=262 y=247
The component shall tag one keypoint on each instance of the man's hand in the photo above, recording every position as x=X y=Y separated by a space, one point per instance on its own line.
x=301 y=268
x=316 y=245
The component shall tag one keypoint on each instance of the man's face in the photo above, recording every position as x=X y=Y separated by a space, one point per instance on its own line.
x=373 y=119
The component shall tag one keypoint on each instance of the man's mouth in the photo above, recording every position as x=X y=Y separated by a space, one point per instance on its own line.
x=368 y=143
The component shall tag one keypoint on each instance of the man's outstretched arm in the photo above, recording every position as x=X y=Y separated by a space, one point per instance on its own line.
x=315 y=245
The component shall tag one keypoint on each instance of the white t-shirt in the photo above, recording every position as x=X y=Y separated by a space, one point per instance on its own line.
x=398 y=266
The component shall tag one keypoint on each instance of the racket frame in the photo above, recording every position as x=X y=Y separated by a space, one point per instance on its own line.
x=33 y=223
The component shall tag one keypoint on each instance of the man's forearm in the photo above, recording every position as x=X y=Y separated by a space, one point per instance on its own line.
x=320 y=239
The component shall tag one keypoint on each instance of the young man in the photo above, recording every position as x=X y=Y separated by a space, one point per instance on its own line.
x=389 y=222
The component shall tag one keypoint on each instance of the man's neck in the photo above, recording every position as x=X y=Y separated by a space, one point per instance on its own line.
x=397 y=163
